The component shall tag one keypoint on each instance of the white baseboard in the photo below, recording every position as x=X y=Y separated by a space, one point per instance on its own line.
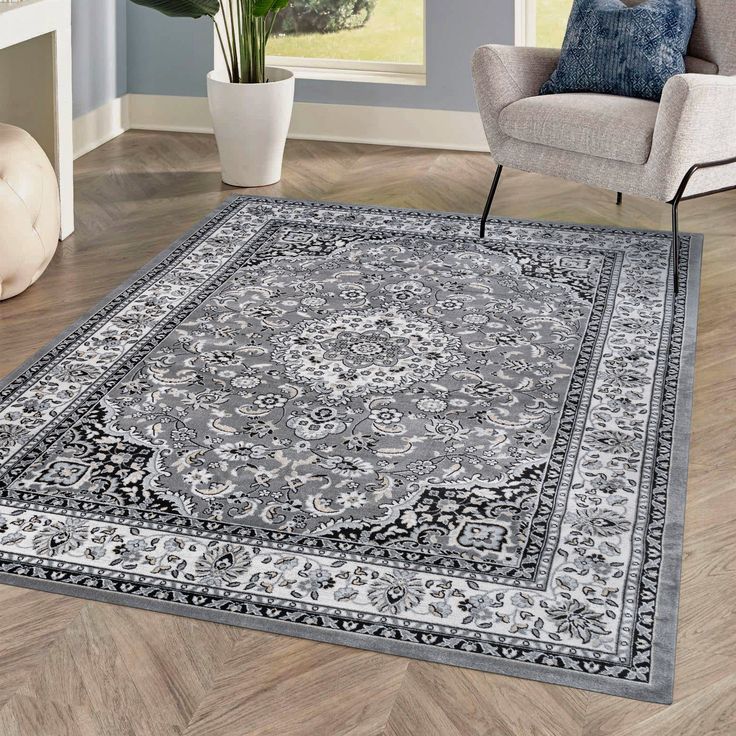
x=166 y=112
x=100 y=125
x=389 y=126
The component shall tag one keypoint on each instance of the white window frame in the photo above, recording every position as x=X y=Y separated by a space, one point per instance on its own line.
x=380 y=72
x=348 y=70
x=525 y=22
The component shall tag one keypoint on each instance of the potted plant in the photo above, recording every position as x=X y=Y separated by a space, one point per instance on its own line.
x=250 y=102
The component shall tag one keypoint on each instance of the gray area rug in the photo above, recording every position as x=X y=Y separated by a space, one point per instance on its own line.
x=369 y=427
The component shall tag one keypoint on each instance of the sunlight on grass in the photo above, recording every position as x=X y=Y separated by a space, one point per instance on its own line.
x=552 y=18
x=395 y=32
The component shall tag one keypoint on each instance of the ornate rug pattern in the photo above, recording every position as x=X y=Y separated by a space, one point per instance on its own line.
x=369 y=427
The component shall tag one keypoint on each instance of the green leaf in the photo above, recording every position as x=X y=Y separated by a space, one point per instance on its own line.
x=182 y=8
x=264 y=7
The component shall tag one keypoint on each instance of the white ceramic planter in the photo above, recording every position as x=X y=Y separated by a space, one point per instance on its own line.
x=251 y=122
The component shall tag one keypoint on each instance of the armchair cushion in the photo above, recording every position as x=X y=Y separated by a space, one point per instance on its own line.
x=694 y=65
x=607 y=126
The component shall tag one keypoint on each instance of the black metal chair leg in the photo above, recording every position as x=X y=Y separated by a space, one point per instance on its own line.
x=489 y=201
x=680 y=196
x=619 y=198
x=675 y=246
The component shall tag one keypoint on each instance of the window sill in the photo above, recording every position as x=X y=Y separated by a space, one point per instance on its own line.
x=416 y=79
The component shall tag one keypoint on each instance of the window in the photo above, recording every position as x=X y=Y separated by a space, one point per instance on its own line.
x=359 y=40
x=541 y=22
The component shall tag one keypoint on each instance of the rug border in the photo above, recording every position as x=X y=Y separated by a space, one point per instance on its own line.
x=660 y=687
x=664 y=641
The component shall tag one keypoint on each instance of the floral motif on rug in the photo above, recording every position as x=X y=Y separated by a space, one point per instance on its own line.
x=370 y=427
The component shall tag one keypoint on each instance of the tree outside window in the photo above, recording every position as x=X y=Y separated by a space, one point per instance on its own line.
x=389 y=31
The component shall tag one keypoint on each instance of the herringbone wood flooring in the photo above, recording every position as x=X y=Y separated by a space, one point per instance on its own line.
x=69 y=666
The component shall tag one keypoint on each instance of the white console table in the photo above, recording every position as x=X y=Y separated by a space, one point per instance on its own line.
x=36 y=84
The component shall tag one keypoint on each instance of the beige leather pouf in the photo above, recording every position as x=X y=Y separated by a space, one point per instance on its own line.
x=29 y=211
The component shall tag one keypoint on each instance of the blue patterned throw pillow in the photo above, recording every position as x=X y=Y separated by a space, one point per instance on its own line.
x=620 y=49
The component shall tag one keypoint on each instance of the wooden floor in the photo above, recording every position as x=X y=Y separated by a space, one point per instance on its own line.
x=69 y=666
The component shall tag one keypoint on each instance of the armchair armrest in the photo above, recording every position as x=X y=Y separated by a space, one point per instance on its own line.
x=505 y=74
x=696 y=124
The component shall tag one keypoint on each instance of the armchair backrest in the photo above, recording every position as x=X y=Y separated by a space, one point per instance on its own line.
x=714 y=35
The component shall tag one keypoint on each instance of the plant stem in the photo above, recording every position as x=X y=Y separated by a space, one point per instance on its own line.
x=241 y=37
x=236 y=40
x=230 y=31
x=261 y=52
x=228 y=38
x=270 y=25
x=249 y=36
x=224 y=53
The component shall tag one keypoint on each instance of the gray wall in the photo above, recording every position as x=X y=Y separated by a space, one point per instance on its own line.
x=99 y=67
x=168 y=56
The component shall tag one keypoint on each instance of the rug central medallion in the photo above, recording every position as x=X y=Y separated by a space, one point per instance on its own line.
x=359 y=353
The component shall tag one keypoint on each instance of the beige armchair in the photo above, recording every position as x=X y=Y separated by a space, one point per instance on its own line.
x=681 y=147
